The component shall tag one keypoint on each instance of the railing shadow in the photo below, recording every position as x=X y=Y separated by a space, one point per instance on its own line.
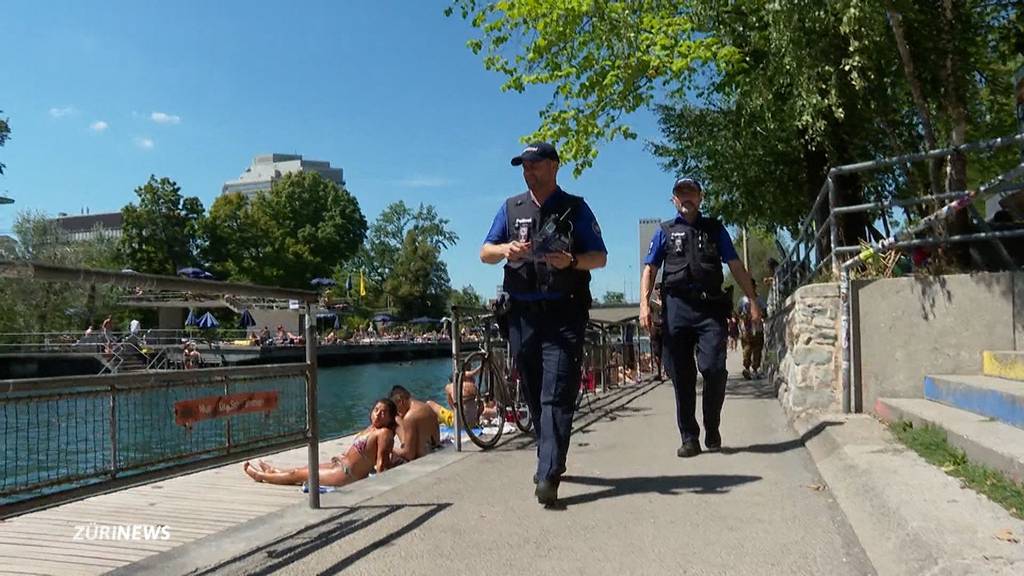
x=295 y=547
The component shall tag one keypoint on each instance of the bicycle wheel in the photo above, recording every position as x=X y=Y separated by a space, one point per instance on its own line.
x=483 y=414
x=520 y=409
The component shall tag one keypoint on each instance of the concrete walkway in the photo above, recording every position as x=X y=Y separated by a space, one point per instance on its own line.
x=630 y=506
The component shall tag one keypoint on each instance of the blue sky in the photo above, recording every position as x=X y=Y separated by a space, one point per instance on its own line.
x=102 y=94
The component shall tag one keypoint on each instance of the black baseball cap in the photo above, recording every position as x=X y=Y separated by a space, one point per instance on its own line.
x=536 y=151
x=687 y=183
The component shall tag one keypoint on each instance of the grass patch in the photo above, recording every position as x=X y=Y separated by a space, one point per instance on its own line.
x=930 y=443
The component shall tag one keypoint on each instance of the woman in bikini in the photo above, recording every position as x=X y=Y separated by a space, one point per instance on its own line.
x=370 y=450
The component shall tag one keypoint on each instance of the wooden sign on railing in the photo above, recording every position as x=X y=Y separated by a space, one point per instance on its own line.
x=188 y=412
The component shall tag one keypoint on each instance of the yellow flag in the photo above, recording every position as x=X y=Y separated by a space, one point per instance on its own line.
x=362 y=284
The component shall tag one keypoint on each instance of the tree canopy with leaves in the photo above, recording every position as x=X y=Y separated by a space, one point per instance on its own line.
x=52 y=306
x=5 y=134
x=304 y=227
x=387 y=239
x=760 y=98
x=419 y=282
x=467 y=297
x=612 y=297
x=600 y=59
x=161 y=234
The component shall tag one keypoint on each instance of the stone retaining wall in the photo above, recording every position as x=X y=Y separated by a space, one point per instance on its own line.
x=802 y=350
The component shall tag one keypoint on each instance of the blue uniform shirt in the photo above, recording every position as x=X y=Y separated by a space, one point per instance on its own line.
x=656 y=251
x=586 y=235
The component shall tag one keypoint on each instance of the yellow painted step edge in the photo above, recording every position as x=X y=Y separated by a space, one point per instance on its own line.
x=991 y=365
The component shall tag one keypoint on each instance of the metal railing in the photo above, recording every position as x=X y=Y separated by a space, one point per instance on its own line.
x=602 y=356
x=805 y=258
x=76 y=435
x=64 y=438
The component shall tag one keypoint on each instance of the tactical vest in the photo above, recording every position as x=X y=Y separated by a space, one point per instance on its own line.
x=692 y=263
x=525 y=220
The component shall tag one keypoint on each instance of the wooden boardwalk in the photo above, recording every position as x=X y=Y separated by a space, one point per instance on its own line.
x=191 y=507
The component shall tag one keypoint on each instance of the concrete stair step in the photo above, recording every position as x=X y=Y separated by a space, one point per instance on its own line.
x=1009 y=365
x=985 y=441
x=997 y=398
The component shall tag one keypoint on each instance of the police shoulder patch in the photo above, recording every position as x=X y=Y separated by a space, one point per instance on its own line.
x=597 y=229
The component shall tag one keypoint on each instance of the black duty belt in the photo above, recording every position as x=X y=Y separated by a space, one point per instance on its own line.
x=691 y=295
x=547 y=305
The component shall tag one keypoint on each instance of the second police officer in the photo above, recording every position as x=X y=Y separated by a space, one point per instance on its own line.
x=692 y=247
x=550 y=241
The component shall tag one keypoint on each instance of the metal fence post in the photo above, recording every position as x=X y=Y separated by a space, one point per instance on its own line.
x=844 y=334
x=833 y=226
x=227 y=421
x=311 y=410
x=456 y=378
x=113 y=431
x=636 y=345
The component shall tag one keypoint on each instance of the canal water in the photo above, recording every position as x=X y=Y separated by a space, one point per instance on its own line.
x=69 y=438
x=347 y=393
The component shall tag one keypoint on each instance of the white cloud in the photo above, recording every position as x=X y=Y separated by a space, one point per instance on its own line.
x=144 y=143
x=163 y=118
x=61 y=112
x=425 y=182
x=99 y=126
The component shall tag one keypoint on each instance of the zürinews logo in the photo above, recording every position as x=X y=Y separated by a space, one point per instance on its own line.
x=129 y=532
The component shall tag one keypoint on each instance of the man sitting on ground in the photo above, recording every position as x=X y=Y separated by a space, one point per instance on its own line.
x=418 y=429
x=469 y=394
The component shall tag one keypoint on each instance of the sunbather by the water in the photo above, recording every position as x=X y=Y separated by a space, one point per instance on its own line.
x=370 y=450
x=417 y=426
x=469 y=396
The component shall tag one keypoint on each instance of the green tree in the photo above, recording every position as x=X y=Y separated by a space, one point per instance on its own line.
x=55 y=306
x=822 y=84
x=304 y=227
x=613 y=298
x=388 y=234
x=466 y=297
x=601 y=61
x=5 y=134
x=311 y=228
x=163 y=232
x=234 y=243
x=419 y=283
x=759 y=99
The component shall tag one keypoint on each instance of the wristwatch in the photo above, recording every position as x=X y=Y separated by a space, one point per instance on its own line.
x=573 y=261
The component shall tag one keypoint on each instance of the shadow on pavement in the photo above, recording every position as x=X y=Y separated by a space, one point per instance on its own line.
x=757 y=389
x=782 y=446
x=610 y=406
x=666 y=485
x=284 y=551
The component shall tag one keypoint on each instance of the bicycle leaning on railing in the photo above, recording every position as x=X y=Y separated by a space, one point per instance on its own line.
x=495 y=397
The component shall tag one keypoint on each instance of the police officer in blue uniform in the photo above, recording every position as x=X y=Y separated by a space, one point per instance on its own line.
x=550 y=241
x=693 y=248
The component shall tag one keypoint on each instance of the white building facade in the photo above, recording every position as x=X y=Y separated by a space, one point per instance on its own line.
x=268 y=168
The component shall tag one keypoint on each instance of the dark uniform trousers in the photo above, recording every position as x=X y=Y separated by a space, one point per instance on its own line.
x=688 y=325
x=546 y=340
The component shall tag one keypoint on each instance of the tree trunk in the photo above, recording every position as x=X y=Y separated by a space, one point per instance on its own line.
x=957 y=178
x=954 y=103
x=816 y=169
x=917 y=93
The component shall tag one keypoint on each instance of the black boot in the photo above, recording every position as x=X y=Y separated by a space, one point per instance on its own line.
x=547 y=492
x=713 y=441
x=689 y=449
